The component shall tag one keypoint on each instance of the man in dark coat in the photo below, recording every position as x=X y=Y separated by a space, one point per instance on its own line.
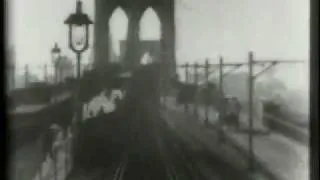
x=49 y=138
x=117 y=101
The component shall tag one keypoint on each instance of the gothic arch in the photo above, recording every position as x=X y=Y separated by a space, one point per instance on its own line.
x=135 y=9
x=118 y=27
x=150 y=13
x=117 y=9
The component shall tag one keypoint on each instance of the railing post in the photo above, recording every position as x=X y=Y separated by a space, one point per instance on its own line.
x=71 y=150
x=55 y=171
x=66 y=152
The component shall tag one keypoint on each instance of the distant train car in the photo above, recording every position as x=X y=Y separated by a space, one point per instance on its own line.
x=232 y=111
x=272 y=107
x=186 y=93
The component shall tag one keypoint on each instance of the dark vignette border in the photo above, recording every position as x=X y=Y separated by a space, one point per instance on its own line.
x=4 y=119
x=314 y=90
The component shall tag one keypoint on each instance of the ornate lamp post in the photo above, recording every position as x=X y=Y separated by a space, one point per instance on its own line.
x=78 y=24
x=55 y=57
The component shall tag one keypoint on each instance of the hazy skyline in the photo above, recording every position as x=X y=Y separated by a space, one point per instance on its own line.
x=204 y=28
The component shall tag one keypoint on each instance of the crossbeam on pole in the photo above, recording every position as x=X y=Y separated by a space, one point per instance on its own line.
x=269 y=66
x=232 y=70
x=278 y=61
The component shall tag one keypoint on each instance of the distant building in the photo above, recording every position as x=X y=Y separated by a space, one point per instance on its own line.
x=65 y=69
x=20 y=80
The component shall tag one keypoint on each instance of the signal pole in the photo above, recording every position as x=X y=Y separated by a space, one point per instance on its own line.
x=270 y=64
x=250 y=91
x=45 y=73
x=207 y=92
x=187 y=72
x=222 y=74
x=221 y=97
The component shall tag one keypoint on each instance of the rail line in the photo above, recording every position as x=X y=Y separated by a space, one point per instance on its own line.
x=169 y=157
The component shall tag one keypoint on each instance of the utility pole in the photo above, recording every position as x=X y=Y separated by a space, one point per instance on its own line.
x=187 y=72
x=26 y=75
x=45 y=73
x=270 y=64
x=208 y=72
x=207 y=92
x=222 y=100
x=250 y=91
x=221 y=76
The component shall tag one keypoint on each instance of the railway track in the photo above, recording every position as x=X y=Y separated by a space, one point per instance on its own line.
x=185 y=162
x=170 y=160
x=155 y=151
x=158 y=152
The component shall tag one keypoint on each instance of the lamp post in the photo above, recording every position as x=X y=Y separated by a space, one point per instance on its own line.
x=55 y=57
x=78 y=24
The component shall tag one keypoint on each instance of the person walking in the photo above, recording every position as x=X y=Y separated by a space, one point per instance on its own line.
x=117 y=101
x=91 y=113
x=101 y=111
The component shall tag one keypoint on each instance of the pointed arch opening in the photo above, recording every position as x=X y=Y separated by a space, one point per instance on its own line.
x=150 y=25
x=118 y=24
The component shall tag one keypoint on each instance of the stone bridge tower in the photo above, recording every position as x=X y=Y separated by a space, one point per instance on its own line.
x=134 y=10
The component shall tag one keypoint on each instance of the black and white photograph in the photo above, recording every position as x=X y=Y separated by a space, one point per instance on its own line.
x=158 y=89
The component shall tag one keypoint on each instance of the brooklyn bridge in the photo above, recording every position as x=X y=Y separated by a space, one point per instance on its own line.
x=131 y=120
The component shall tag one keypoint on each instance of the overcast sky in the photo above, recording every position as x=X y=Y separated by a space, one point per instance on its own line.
x=274 y=29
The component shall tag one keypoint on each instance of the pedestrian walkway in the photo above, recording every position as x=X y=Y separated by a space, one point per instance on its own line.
x=58 y=168
x=287 y=159
x=30 y=162
x=25 y=161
